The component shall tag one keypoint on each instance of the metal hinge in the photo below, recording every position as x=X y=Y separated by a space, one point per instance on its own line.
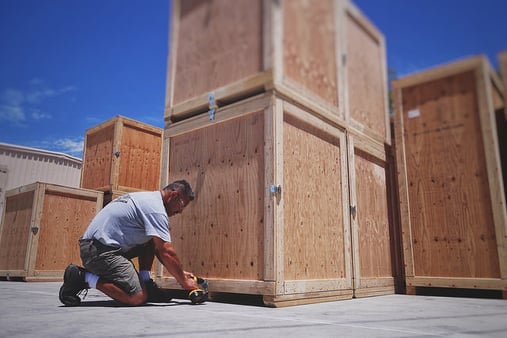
x=212 y=106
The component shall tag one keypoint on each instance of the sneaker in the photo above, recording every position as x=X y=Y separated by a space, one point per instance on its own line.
x=73 y=284
x=157 y=294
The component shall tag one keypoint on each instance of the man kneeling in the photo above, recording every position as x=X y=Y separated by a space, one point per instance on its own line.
x=133 y=225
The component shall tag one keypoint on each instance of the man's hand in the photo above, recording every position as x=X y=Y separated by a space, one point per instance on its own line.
x=190 y=284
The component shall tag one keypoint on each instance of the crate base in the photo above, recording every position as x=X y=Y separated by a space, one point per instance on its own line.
x=374 y=291
x=257 y=293
x=456 y=292
x=306 y=298
x=39 y=276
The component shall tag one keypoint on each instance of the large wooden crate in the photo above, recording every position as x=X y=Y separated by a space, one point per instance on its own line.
x=272 y=212
x=122 y=155
x=325 y=55
x=452 y=202
x=40 y=229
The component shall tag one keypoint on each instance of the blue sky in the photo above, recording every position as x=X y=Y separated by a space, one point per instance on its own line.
x=68 y=65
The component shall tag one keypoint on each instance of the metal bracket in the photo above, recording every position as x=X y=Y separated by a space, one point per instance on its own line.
x=275 y=189
x=117 y=153
x=212 y=105
x=35 y=230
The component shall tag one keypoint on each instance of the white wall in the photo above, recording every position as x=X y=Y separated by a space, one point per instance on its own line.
x=20 y=166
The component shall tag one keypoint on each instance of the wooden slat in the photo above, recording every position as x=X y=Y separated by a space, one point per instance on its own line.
x=464 y=283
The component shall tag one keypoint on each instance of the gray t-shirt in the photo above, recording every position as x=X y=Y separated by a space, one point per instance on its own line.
x=130 y=220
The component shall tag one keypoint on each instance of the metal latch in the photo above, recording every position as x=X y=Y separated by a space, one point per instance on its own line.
x=212 y=106
x=275 y=189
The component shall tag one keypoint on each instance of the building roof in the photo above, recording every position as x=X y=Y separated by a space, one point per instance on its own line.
x=41 y=152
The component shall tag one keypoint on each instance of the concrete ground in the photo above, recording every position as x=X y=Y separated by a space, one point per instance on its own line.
x=33 y=310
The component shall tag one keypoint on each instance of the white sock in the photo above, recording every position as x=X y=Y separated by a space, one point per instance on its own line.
x=91 y=279
x=144 y=275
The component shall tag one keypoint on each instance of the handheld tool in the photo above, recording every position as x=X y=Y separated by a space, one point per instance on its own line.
x=200 y=295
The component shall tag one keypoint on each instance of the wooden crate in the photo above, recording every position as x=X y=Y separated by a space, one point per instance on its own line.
x=325 y=55
x=122 y=155
x=40 y=229
x=291 y=246
x=452 y=202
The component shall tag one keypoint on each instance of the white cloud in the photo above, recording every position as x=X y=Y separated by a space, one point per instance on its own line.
x=35 y=81
x=39 y=95
x=40 y=116
x=11 y=106
x=13 y=114
x=70 y=146
x=14 y=103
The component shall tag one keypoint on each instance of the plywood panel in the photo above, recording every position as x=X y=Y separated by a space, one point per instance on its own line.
x=213 y=36
x=309 y=53
x=140 y=158
x=220 y=234
x=64 y=220
x=372 y=217
x=97 y=161
x=452 y=227
x=15 y=230
x=313 y=234
x=366 y=90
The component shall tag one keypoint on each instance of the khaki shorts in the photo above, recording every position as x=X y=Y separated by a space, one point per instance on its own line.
x=110 y=264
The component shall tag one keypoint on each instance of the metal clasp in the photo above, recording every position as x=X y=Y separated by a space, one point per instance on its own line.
x=212 y=105
x=275 y=189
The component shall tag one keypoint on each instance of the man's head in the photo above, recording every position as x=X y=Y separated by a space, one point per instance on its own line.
x=176 y=196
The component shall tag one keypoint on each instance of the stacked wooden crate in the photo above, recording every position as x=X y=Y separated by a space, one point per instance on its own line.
x=121 y=155
x=276 y=113
x=41 y=227
x=451 y=192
